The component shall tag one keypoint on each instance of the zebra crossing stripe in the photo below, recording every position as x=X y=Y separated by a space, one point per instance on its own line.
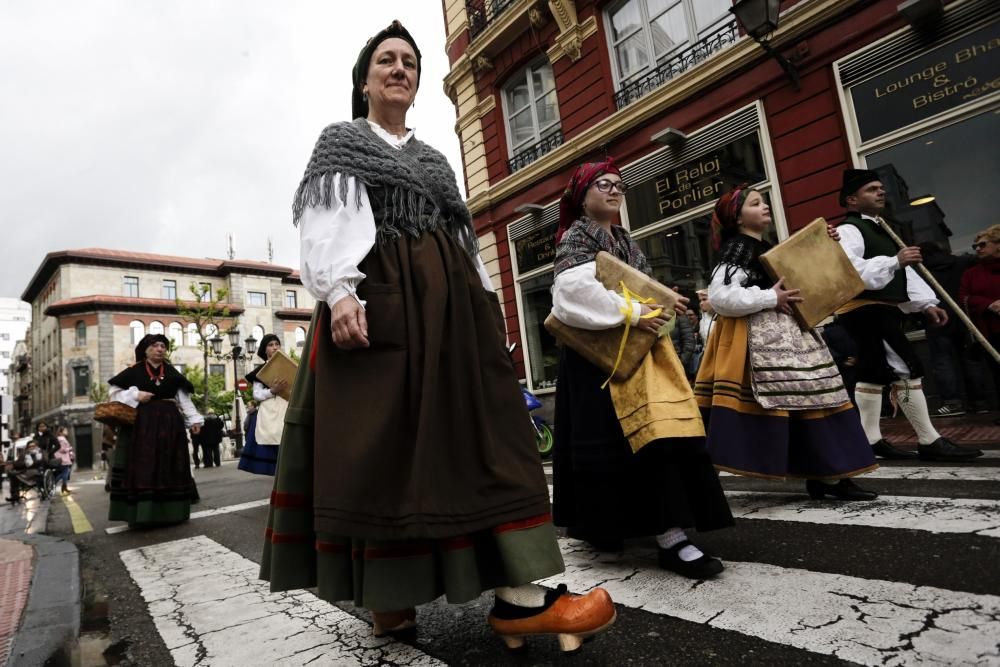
x=211 y=609
x=957 y=473
x=867 y=621
x=204 y=513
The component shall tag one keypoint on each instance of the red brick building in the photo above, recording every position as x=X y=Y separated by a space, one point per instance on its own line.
x=689 y=105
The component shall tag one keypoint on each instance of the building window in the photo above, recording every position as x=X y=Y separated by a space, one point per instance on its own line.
x=81 y=334
x=81 y=380
x=645 y=32
x=138 y=330
x=216 y=369
x=175 y=332
x=192 y=335
x=530 y=107
x=300 y=336
x=156 y=327
x=258 y=333
x=291 y=299
x=169 y=289
x=205 y=292
x=257 y=299
x=130 y=286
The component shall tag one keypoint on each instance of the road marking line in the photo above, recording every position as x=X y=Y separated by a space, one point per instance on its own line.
x=204 y=513
x=868 y=621
x=955 y=473
x=211 y=609
x=80 y=522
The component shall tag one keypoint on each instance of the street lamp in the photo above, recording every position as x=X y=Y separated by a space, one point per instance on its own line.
x=236 y=354
x=760 y=18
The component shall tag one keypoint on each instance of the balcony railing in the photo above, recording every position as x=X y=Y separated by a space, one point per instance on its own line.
x=678 y=64
x=483 y=12
x=526 y=156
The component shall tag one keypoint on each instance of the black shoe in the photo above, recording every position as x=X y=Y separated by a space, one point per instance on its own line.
x=845 y=489
x=944 y=449
x=701 y=568
x=884 y=449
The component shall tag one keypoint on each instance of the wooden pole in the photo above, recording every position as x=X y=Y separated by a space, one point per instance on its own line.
x=973 y=329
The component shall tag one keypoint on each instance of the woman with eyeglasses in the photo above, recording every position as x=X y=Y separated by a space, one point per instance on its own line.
x=980 y=291
x=604 y=492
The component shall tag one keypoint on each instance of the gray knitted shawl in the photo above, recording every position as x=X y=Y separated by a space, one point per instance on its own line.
x=412 y=189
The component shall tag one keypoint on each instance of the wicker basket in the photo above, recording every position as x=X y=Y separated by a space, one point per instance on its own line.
x=114 y=413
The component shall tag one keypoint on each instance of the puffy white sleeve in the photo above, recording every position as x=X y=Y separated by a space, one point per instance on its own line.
x=333 y=241
x=734 y=300
x=875 y=272
x=129 y=397
x=191 y=415
x=580 y=300
x=921 y=294
x=260 y=392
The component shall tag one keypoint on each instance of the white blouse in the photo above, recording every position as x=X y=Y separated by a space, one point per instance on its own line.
x=130 y=397
x=261 y=393
x=876 y=272
x=580 y=300
x=334 y=240
x=734 y=300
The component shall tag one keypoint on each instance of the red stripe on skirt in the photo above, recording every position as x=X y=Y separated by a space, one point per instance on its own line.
x=290 y=501
x=456 y=543
x=315 y=345
x=522 y=524
x=331 y=547
x=285 y=538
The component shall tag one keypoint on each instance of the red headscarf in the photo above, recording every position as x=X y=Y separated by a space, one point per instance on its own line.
x=727 y=213
x=572 y=199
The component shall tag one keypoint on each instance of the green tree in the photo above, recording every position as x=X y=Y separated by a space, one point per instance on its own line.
x=218 y=398
x=204 y=312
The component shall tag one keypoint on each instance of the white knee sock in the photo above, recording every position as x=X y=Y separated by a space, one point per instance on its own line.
x=868 y=398
x=528 y=595
x=910 y=394
x=676 y=536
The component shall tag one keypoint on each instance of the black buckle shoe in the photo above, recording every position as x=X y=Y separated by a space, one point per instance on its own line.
x=704 y=567
x=884 y=449
x=944 y=449
x=845 y=489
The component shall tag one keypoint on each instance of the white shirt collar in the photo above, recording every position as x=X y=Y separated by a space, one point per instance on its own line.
x=389 y=138
x=869 y=217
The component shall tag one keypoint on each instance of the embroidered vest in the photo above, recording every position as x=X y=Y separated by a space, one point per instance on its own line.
x=878 y=243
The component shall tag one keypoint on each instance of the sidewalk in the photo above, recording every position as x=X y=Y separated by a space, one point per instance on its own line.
x=39 y=587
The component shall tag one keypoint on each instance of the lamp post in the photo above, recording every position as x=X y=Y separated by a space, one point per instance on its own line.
x=236 y=354
x=760 y=18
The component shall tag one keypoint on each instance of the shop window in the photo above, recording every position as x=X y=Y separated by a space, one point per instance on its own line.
x=130 y=286
x=138 y=330
x=532 y=111
x=954 y=165
x=81 y=381
x=168 y=290
x=536 y=304
x=81 y=334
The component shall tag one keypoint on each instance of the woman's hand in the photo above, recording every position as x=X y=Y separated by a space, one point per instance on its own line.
x=348 y=324
x=995 y=307
x=681 y=307
x=653 y=323
x=832 y=232
x=278 y=386
x=145 y=396
x=785 y=297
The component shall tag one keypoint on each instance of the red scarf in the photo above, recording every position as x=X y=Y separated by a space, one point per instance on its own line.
x=572 y=199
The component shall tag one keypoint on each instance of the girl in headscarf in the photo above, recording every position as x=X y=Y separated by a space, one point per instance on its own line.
x=629 y=459
x=408 y=468
x=151 y=480
x=265 y=424
x=790 y=416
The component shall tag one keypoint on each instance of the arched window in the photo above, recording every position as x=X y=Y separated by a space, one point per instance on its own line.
x=81 y=334
x=300 y=336
x=156 y=327
x=138 y=331
x=192 y=334
x=211 y=331
x=175 y=332
x=258 y=333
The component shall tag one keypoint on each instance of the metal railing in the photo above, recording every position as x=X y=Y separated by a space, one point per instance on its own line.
x=678 y=64
x=483 y=12
x=526 y=156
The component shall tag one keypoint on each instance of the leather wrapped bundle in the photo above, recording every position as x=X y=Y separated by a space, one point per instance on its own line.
x=601 y=347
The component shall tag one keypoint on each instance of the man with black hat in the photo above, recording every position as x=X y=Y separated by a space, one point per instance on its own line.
x=874 y=320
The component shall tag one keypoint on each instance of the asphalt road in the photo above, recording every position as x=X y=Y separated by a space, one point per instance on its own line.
x=807 y=582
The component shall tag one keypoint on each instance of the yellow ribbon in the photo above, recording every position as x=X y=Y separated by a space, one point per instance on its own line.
x=627 y=310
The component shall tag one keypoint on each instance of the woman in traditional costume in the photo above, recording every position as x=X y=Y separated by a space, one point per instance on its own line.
x=407 y=468
x=773 y=400
x=629 y=457
x=265 y=424
x=151 y=480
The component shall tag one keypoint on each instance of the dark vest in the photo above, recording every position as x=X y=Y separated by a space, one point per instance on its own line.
x=878 y=243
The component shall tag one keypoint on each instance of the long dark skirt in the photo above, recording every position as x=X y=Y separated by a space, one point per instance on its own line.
x=257 y=458
x=604 y=491
x=151 y=480
x=408 y=470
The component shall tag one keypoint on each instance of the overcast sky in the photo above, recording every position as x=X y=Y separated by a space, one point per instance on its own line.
x=162 y=126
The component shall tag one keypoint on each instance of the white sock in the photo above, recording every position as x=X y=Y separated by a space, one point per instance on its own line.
x=868 y=398
x=910 y=394
x=528 y=595
x=676 y=536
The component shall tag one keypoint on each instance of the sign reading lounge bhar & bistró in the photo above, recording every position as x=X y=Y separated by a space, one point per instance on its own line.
x=695 y=182
x=953 y=74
